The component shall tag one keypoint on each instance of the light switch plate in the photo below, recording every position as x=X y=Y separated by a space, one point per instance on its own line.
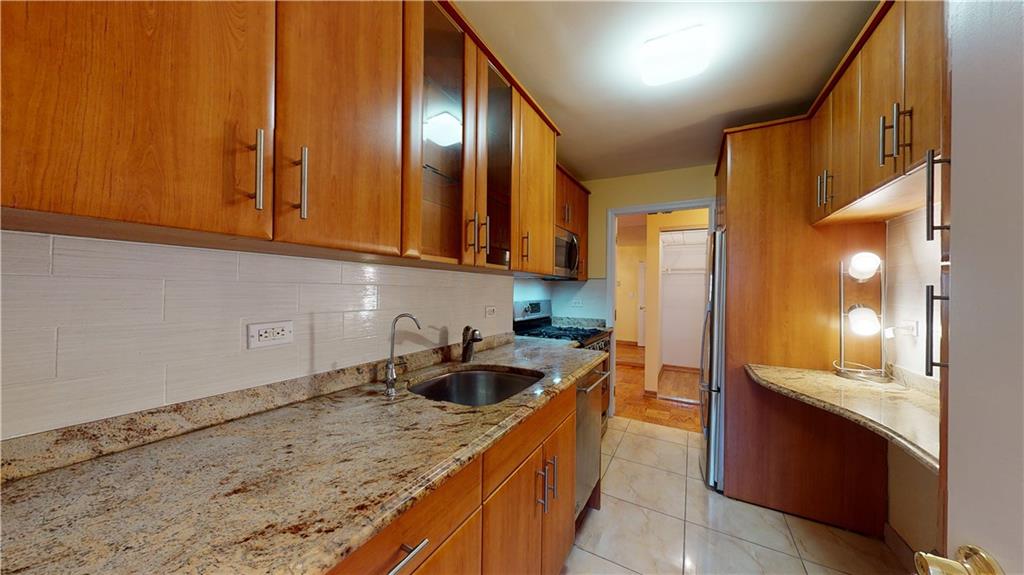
x=268 y=334
x=490 y=311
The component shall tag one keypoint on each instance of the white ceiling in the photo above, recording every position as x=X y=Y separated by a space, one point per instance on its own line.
x=578 y=60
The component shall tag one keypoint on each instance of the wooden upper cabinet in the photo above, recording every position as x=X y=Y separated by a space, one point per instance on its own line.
x=926 y=127
x=843 y=185
x=139 y=112
x=339 y=98
x=559 y=522
x=513 y=521
x=881 y=87
x=536 y=152
x=821 y=159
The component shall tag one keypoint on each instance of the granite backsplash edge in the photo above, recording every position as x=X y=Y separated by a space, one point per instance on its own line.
x=40 y=452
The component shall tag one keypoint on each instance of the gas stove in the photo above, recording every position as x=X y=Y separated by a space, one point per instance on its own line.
x=533 y=319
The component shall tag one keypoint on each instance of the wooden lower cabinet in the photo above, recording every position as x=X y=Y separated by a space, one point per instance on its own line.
x=460 y=554
x=559 y=522
x=513 y=520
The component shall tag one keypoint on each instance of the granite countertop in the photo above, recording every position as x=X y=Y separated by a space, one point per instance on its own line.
x=291 y=490
x=905 y=416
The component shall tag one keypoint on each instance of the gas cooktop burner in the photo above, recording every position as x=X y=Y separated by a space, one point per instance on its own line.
x=580 y=334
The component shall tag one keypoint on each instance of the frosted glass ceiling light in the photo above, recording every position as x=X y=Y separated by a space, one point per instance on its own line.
x=675 y=55
x=443 y=129
x=864 y=266
x=863 y=320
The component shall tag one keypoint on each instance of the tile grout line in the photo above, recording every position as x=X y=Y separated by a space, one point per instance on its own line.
x=754 y=543
x=648 y=465
x=605 y=558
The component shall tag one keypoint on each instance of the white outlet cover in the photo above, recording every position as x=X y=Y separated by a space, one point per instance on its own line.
x=269 y=334
x=490 y=311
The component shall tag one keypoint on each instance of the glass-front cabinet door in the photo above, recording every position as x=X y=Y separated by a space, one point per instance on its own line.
x=498 y=127
x=443 y=136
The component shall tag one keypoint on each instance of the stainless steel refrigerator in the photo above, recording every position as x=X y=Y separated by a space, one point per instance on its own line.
x=712 y=367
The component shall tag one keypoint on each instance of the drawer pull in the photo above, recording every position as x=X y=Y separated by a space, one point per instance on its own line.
x=929 y=191
x=554 y=476
x=259 y=169
x=544 y=488
x=412 y=552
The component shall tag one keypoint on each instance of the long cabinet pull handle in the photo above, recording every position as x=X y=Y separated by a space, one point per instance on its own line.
x=526 y=250
x=259 y=169
x=304 y=184
x=544 y=490
x=895 y=129
x=929 y=322
x=818 y=190
x=881 y=141
x=473 y=238
x=554 y=476
x=929 y=191
x=487 y=235
x=412 y=552
x=824 y=187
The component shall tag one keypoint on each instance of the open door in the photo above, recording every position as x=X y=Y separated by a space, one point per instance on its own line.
x=641 y=302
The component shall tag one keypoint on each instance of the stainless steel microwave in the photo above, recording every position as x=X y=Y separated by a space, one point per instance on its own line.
x=567 y=253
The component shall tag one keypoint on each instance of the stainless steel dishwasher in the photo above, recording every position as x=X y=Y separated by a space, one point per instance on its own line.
x=588 y=435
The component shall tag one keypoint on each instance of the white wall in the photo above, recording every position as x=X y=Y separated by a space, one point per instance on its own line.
x=911 y=263
x=986 y=383
x=97 y=328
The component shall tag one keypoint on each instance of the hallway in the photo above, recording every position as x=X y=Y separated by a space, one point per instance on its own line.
x=632 y=402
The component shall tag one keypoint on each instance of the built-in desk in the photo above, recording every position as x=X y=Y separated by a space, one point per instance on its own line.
x=906 y=417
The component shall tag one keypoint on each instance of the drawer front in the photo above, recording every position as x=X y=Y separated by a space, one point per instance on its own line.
x=506 y=455
x=434 y=518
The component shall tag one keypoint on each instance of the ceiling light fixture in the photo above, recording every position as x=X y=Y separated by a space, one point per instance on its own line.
x=676 y=55
x=443 y=129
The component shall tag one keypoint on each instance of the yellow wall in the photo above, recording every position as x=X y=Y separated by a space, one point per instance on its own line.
x=639 y=189
x=630 y=250
x=657 y=223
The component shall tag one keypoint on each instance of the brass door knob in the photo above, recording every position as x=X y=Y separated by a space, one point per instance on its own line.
x=970 y=560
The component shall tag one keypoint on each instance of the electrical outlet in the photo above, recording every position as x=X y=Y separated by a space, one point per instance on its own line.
x=576 y=302
x=490 y=311
x=268 y=334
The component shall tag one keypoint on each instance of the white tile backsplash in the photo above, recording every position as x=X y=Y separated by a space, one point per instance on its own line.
x=97 y=328
x=25 y=254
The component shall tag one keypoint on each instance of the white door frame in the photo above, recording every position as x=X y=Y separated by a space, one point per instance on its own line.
x=696 y=204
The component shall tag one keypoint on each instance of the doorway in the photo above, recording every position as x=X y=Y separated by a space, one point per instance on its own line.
x=656 y=255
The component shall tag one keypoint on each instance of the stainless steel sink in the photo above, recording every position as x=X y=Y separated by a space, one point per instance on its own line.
x=477 y=386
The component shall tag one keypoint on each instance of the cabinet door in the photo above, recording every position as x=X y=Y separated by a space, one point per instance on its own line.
x=844 y=185
x=559 y=523
x=512 y=526
x=459 y=554
x=537 y=192
x=881 y=86
x=494 y=163
x=924 y=79
x=139 y=112
x=339 y=90
x=821 y=159
x=564 y=188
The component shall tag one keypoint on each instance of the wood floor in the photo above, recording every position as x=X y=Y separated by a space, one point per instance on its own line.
x=679 y=384
x=631 y=402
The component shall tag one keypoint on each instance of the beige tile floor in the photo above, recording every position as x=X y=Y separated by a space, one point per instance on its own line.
x=657 y=517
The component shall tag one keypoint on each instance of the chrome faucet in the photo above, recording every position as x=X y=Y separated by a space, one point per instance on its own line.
x=390 y=377
x=469 y=337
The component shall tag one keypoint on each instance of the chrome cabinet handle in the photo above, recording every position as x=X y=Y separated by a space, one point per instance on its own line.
x=473 y=239
x=487 y=236
x=882 y=127
x=929 y=321
x=526 y=250
x=412 y=552
x=604 y=375
x=817 y=190
x=554 y=476
x=259 y=169
x=544 y=490
x=304 y=184
x=895 y=129
x=825 y=177
x=929 y=191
